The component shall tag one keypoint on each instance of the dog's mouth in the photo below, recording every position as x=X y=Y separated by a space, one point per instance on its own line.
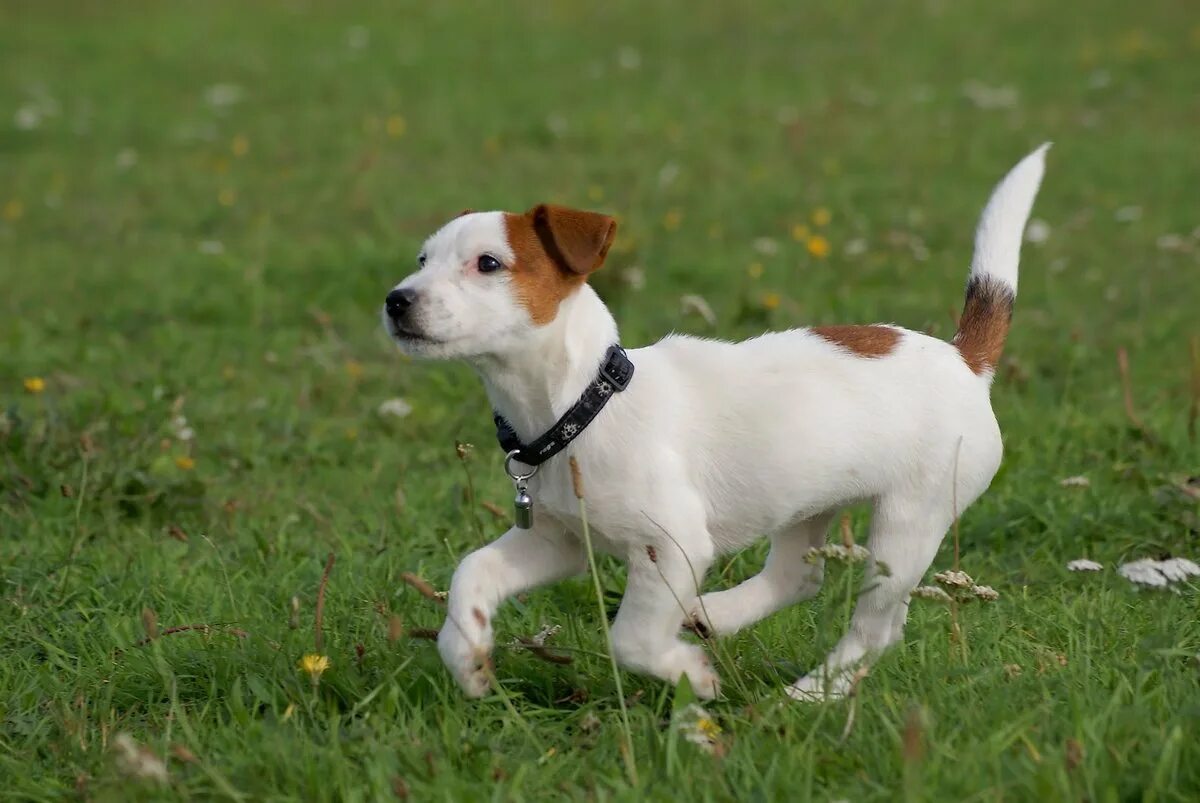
x=408 y=335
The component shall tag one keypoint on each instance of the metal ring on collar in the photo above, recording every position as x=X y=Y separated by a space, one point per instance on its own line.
x=508 y=461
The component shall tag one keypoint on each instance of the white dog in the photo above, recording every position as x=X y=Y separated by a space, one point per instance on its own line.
x=712 y=444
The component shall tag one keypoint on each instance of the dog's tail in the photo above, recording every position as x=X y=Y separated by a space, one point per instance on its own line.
x=992 y=287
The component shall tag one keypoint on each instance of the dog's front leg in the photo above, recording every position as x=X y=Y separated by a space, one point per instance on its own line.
x=517 y=561
x=660 y=586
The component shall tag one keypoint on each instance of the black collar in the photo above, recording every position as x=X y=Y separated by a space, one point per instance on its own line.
x=614 y=376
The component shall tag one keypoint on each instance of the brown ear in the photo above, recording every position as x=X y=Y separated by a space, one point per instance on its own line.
x=576 y=240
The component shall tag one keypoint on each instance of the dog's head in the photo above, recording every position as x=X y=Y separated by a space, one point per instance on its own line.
x=486 y=281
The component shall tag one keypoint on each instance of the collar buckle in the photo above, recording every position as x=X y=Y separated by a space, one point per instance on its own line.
x=617 y=369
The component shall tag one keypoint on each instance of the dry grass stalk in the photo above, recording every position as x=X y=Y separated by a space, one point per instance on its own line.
x=423 y=588
x=319 y=621
x=1127 y=391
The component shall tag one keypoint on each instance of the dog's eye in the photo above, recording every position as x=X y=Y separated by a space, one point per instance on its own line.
x=488 y=263
x=421 y=261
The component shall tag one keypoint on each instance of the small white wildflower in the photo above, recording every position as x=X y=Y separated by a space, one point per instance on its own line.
x=1084 y=565
x=358 y=37
x=127 y=158
x=547 y=632
x=556 y=124
x=954 y=579
x=667 y=175
x=634 y=278
x=220 y=96
x=138 y=761
x=694 y=304
x=629 y=59
x=1099 y=79
x=1037 y=232
x=1143 y=572
x=211 y=247
x=1128 y=214
x=931 y=593
x=766 y=246
x=698 y=727
x=838 y=553
x=855 y=248
x=397 y=407
x=985 y=593
x=990 y=97
x=1078 y=481
x=27 y=118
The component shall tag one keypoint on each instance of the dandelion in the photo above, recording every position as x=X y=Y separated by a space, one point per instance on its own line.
x=595 y=193
x=397 y=408
x=314 y=666
x=184 y=463
x=954 y=579
x=672 y=219
x=240 y=145
x=698 y=727
x=396 y=126
x=800 y=232
x=1084 y=565
x=754 y=270
x=34 y=384
x=13 y=211
x=821 y=216
x=818 y=246
x=227 y=197
x=931 y=593
x=771 y=301
x=354 y=369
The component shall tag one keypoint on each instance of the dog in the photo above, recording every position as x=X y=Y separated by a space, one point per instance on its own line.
x=712 y=444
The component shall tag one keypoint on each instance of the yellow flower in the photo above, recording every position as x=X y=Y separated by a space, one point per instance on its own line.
x=799 y=232
x=396 y=126
x=821 y=216
x=595 y=193
x=771 y=300
x=240 y=145
x=314 y=666
x=672 y=219
x=708 y=727
x=185 y=463
x=13 y=210
x=34 y=384
x=818 y=246
x=754 y=270
x=227 y=197
x=354 y=368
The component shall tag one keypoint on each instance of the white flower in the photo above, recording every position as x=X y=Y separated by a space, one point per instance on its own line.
x=932 y=593
x=220 y=96
x=694 y=304
x=1037 y=232
x=357 y=37
x=1078 y=481
x=766 y=246
x=1127 y=214
x=1143 y=572
x=1171 y=242
x=211 y=247
x=855 y=248
x=545 y=633
x=138 y=761
x=668 y=174
x=698 y=727
x=27 y=118
x=629 y=59
x=397 y=407
x=634 y=278
x=1084 y=565
x=127 y=158
x=990 y=97
x=837 y=552
x=954 y=579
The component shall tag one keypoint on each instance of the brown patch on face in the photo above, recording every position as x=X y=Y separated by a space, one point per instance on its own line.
x=864 y=341
x=480 y=617
x=556 y=248
x=983 y=327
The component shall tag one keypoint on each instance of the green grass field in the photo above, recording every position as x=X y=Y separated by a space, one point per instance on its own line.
x=202 y=206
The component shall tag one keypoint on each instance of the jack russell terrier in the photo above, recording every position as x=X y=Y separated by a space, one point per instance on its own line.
x=692 y=448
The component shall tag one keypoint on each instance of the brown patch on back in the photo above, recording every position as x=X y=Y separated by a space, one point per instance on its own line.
x=556 y=248
x=864 y=341
x=479 y=617
x=984 y=323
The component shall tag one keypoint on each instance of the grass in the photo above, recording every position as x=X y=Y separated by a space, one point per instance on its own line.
x=201 y=209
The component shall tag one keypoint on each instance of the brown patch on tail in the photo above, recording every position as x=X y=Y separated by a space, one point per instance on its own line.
x=556 y=248
x=864 y=341
x=984 y=323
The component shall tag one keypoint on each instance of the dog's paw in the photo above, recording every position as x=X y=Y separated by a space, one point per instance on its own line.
x=690 y=660
x=818 y=687
x=470 y=662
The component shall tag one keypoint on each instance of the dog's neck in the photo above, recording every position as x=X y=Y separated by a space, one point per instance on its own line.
x=533 y=387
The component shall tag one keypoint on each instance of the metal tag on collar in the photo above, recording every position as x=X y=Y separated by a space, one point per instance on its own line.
x=523 y=502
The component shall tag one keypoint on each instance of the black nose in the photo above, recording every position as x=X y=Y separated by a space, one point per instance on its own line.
x=398 y=301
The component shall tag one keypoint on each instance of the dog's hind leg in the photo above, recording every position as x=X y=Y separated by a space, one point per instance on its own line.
x=905 y=535
x=787 y=578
